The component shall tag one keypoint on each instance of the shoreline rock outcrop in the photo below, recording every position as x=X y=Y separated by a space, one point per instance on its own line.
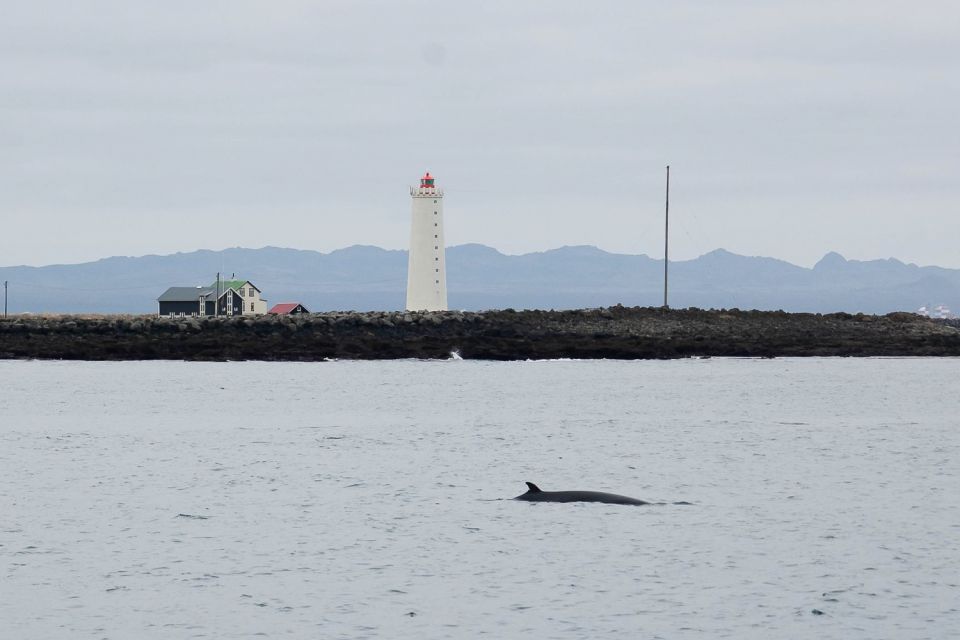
x=614 y=332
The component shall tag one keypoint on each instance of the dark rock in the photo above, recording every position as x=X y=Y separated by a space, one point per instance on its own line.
x=619 y=332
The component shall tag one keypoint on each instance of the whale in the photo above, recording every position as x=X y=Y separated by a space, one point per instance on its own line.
x=535 y=494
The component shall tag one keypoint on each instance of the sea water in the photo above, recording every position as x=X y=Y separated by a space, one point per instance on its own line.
x=371 y=499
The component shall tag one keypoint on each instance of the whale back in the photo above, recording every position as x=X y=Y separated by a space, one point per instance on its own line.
x=535 y=494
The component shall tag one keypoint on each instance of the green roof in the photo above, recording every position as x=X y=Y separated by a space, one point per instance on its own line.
x=231 y=284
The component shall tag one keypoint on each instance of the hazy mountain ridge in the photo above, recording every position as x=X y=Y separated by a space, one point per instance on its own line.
x=480 y=277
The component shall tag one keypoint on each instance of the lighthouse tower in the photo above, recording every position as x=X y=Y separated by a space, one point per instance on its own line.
x=427 y=266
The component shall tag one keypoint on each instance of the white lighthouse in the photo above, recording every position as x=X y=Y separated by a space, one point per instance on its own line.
x=427 y=266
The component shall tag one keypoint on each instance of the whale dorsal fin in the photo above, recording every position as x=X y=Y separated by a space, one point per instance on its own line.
x=533 y=488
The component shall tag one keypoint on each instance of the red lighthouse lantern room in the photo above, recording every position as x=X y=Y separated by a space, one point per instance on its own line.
x=426 y=182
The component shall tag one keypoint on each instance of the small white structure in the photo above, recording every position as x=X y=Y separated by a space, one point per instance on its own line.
x=427 y=266
x=249 y=301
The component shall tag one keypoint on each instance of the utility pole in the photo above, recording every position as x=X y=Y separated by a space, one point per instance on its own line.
x=6 y=283
x=666 y=241
x=216 y=304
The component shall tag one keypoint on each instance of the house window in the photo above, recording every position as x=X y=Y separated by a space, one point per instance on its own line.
x=251 y=306
x=251 y=295
x=434 y=224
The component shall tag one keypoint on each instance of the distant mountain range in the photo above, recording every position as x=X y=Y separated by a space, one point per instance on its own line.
x=479 y=277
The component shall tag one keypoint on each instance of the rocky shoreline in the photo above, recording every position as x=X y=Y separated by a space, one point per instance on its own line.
x=615 y=332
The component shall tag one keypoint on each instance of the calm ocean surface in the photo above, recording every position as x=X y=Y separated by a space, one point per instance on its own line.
x=366 y=499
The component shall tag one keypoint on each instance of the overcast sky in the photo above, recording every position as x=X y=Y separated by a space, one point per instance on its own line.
x=791 y=128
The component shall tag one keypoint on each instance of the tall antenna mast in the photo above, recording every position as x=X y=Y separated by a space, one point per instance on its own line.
x=666 y=241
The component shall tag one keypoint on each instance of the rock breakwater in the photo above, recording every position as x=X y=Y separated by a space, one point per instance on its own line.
x=615 y=332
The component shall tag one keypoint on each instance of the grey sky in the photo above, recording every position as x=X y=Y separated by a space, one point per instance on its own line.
x=792 y=128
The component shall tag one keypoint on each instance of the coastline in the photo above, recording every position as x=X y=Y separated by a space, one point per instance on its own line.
x=614 y=332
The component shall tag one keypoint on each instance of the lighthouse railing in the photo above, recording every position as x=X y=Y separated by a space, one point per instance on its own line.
x=426 y=191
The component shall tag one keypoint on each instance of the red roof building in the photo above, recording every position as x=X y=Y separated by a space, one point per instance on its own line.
x=285 y=308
